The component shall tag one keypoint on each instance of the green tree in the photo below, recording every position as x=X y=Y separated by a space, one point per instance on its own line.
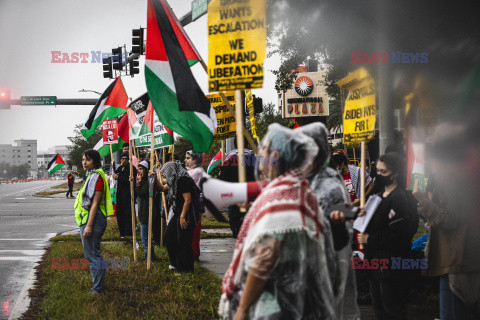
x=80 y=145
x=269 y=115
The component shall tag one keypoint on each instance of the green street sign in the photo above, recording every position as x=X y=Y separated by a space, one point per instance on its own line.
x=38 y=100
x=199 y=7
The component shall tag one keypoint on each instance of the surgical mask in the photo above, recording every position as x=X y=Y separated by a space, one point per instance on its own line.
x=383 y=181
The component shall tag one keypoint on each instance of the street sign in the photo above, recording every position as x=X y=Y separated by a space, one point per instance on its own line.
x=199 y=7
x=38 y=100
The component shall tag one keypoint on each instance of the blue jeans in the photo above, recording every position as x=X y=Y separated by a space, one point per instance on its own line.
x=144 y=233
x=451 y=307
x=91 y=250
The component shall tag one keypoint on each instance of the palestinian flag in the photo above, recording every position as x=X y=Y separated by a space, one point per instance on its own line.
x=111 y=104
x=104 y=149
x=216 y=161
x=175 y=95
x=151 y=124
x=56 y=163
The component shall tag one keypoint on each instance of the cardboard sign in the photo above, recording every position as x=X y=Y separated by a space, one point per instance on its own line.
x=237 y=41
x=162 y=137
x=251 y=113
x=110 y=131
x=226 y=125
x=360 y=107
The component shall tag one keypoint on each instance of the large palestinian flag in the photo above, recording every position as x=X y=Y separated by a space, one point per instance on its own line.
x=112 y=103
x=56 y=163
x=104 y=149
x=175 y=95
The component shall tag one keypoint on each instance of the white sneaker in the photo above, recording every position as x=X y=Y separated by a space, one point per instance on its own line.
x=170 y=267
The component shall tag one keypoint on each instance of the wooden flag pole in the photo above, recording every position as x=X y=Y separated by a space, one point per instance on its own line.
x=223 y=148
x=362 y=179
x=132 y=204
x=150 y=207
x=164 y=199
x=242 y=173
x=224 y=99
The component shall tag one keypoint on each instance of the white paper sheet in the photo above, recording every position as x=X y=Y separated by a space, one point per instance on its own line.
x=361 y=223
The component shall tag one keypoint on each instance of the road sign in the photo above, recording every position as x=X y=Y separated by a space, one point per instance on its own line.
x=38 y=100
x=199 y=7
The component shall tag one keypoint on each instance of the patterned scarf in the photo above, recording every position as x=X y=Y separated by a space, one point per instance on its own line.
x=89 y=191
x=172 y=172
x=286 y=204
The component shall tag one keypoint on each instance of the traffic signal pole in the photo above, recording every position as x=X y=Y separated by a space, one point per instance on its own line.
x=63 y=102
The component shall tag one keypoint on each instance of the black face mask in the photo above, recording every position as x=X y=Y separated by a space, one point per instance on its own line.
x=383 y=181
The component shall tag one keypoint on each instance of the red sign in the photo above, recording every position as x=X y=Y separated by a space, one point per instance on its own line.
x=110 y=131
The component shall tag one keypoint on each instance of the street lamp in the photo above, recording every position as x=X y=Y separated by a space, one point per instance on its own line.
x=83 y=90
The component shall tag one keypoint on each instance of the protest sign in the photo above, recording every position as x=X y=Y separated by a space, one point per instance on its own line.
x=110 y=131
x=237 y=38
x=226 y=124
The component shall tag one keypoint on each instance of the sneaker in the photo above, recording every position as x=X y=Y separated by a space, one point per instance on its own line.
x=170 y=267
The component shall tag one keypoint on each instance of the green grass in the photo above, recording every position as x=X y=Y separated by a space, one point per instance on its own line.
x=132 y=293
x=76 y=186
x=49 y=193
x=212 y=223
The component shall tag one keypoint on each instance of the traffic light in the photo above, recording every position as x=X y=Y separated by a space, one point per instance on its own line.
x=107 y=68
x=4 y=99
x=133 y=66
x=257 y=104
x=117 y=58
x=137 y=41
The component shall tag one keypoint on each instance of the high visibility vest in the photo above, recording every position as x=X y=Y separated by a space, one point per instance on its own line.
x=81 y=214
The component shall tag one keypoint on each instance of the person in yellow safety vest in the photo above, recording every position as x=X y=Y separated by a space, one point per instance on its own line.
x=92 y=207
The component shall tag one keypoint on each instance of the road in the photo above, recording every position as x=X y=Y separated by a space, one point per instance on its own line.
x=26 y=224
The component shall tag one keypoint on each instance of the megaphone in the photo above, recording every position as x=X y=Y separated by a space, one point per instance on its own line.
x=221 y=194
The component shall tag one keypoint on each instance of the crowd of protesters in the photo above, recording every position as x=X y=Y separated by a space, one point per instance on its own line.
x=293 y=253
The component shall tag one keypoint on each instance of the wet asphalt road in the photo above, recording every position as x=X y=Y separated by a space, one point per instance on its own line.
x=26 y=224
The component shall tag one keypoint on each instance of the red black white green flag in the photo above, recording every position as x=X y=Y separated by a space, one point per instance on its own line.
x=112 y=103
x=175 y=94
x=55 y=164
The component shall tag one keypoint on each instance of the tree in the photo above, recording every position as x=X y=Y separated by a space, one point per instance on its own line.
x=80 y=145
x=268 y=116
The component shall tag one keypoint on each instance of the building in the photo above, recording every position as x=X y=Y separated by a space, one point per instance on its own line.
x=24 y=151
x=44 y=157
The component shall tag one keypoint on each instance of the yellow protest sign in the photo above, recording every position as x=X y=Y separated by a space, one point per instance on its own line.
x=251 y=113
x=237 y=40
x=360 y=108
x=226 y=125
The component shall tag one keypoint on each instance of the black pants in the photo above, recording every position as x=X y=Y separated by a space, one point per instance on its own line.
x=235 y=217
x=124 y=214
x=70 y=190
x=179 y=244
x=389 y=298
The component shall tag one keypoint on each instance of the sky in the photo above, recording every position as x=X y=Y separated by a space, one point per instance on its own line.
x=31 y=29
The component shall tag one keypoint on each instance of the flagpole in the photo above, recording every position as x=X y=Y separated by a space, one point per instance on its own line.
x=362 y=179
x=164 y=201
x=163 y=196
x=132 y=204
x=224 y=99
x=150 y=205
x=222 y=149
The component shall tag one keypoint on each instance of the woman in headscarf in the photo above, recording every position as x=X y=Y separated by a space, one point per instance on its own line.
x=328 y=186
x=193 y=162
x=182 y=218
x=278 y=269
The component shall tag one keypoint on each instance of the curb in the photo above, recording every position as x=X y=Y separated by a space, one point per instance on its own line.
x=23 y=301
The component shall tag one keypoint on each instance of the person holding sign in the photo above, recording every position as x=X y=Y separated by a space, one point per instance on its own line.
x=124 y=215
x=279 y=267
x=351 y=177
x=388 y=236
x=141 y=191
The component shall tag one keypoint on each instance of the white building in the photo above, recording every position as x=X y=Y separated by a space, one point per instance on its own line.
x=23 y=151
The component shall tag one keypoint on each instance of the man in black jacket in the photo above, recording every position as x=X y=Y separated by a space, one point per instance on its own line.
x=124 y=215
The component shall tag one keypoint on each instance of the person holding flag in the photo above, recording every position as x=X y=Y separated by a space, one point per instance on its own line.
x=122 y=175
x=92 y=207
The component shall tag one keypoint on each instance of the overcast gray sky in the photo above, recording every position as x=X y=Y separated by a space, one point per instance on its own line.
x=31 y=29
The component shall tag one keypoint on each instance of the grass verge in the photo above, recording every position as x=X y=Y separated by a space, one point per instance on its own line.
x=212 y=223
x=49 y=193
x=76 y=186
x=132 y=293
